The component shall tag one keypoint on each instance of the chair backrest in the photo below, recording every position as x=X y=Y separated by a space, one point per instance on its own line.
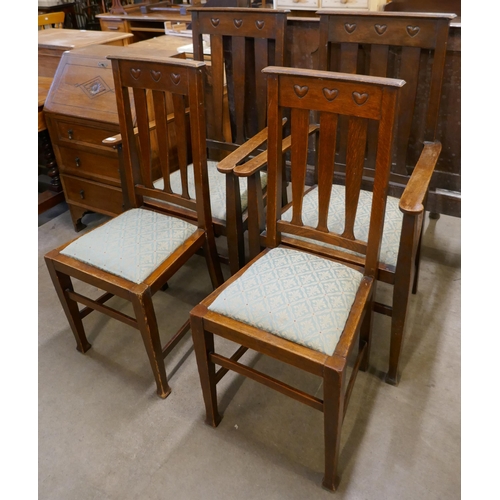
x=410 y=46
x=51 y=20
x=325 y=96
x=243 y=41
x=159 y=144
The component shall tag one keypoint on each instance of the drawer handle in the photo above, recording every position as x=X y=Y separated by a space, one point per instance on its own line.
x=77 y=161
x=70 y=134
x=82 y=194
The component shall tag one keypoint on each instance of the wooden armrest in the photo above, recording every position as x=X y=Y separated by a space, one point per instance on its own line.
x=116 y=140
x=250 y=167
x=228 y=164
x=412 y=200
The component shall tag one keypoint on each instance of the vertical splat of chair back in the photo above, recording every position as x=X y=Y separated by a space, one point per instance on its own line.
x=243 y=41
x=327 y=96
x=410 y=46
x=51 y=20
x=146 y=86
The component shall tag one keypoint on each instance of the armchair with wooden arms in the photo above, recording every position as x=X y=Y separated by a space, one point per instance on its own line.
x=410 y=46
x=300 y=301
x=243 y=41
x=133 y=255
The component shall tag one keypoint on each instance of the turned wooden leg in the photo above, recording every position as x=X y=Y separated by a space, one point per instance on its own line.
x=203 y=346
x=148 y=326
x=333 y=413
x=63 y=285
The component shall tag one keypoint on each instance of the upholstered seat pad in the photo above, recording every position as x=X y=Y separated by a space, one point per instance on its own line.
x=294 y=295
x=336 y=214
x=133 y=244
x=217 y=184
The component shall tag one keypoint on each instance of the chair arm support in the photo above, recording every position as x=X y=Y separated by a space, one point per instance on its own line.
x=412 y=200
x=250 y=167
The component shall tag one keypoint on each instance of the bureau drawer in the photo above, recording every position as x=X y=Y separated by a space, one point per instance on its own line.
x=113 y=25
x=68 y=131
x=92 y=195
x=100 y=167
x=344 y=4
x=298 y=4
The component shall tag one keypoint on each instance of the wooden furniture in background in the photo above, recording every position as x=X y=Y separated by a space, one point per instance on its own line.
x=51 y=193
x=243 y=41
x=451 y=6
x=313 y=5
x=291 y=302
x=52 y=20
x=53 y=43
x=80 y=111
x=137 y=73
x=70 y=19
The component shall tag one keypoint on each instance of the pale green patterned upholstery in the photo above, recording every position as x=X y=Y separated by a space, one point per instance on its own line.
x=392 y=223
x=294 y=295
x=217 y=183
x=133 y=244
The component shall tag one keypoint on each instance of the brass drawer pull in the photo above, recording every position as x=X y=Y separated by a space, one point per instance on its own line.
x=82 y=194
x=70 y=134
x=77 y=161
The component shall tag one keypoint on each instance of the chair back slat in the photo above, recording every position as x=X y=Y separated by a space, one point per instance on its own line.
x=51 y=20
x=243 y=41
x=161 y=133
x=410 y=46
x=327 y=96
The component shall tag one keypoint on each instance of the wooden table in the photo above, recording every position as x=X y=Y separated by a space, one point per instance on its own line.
x=53 y=193
x=52 y=43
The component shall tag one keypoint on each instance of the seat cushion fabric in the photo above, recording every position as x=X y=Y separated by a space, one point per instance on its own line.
x=217 y=183
x=336 y=214
x=133 y=244
x=294 y=295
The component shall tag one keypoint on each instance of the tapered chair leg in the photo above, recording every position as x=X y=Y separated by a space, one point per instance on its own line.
x=213 y=263
x=333 y=414
x=63 y=285
x=203 y=346
x=365 y=338
x=148 y=326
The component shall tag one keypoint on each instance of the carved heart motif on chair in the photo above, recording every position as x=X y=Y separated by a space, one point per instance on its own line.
x=176 y=78
x=238 y=22
x=412 y=30
x=330 y=94
x=301 y=91
x=215 y=22
x=156 y=75
x=359 y=98
x=136 y=73
x=259 y=24
x=380 y=28
x=349 y=27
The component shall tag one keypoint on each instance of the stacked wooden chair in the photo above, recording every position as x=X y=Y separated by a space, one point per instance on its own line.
x=299 y=301
x=242 y=42
x=134 y=254
x=410 y=46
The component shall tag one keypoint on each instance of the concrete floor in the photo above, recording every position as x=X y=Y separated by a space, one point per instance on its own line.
x=104 y=434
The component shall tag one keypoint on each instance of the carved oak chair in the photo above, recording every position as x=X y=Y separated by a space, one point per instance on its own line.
x=243 y=41
x=412 y=47
x=51 y=20
x=134 y=254
x=295 y=302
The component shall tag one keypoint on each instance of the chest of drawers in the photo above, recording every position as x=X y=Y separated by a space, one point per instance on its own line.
x=80 y=111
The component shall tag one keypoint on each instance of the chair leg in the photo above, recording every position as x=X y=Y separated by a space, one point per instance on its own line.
x=204 y=345
x=213 y=262
x=234 y=224
x=148 y=326
x=366 y=336
x=333 y=413
x=62 y=283
x=417 y=262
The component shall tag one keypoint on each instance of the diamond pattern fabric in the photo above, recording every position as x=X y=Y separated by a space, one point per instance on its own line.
x=294 y=295
x=217 y=183
x=133 y=244
x=392 y=223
